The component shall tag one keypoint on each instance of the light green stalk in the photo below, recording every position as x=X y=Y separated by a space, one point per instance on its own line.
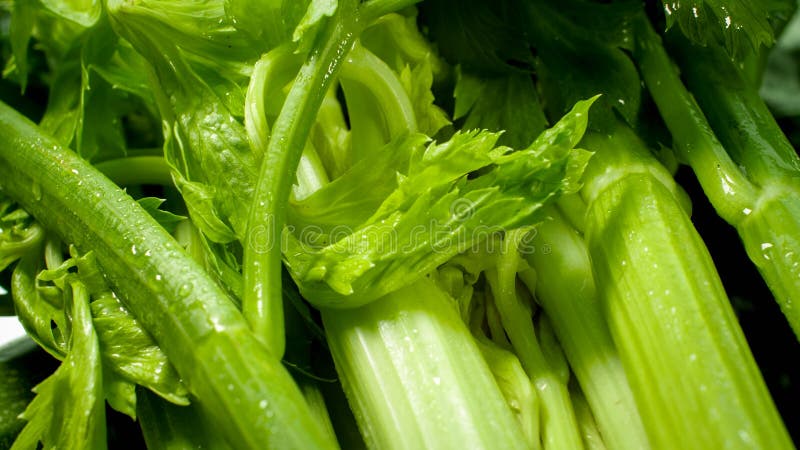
x=559 y=426
x=247 y=392
x=263 y=301
x=568 y=295
x=692 y=374
x=771 y=228
x=415 y=377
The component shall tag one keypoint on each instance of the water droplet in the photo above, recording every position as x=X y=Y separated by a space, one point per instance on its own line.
x=185 y=290
x=765 y=246
x=37 y=191
x=747 y=211
x=744 y=435
x=133 y=249
x=263 y=404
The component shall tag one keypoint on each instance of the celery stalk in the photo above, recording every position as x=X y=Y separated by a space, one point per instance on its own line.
x=568 y=295
x=414 y=375
x=694 y=379
x=749 y=133
x=559 y=426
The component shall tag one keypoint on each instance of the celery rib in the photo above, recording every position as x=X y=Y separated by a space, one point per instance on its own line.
x=246 y=390
x=568 y=295
x=262 y=303
x=414 y=376
x=771 y=229
x=695 y=381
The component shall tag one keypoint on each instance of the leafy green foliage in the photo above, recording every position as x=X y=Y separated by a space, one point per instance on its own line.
x=483 y=36
x=507 y=103
x=427 y=210
x=128 y=354
x=740 y=25
x=366 y=187
x=68 y=411
x=19 y=233
x=204 y=137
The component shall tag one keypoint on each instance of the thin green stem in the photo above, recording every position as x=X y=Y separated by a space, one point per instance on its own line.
x=559 y=426
x=731 y=193
x=137 y=170
x=559 y=253
x=263 y=302
x=373 y=9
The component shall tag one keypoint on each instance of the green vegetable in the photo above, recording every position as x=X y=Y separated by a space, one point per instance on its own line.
x=403 y=360
x=752 y=179
x=171 y=296
x=394 y=223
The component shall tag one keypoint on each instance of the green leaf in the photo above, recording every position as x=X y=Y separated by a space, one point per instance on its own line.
x=39 y=308
x=131 y=353
x=202 y=30
x=397 y=40
x=742 y=26
x=21 y=31
x=270 y=20
x=68 y=411
x=314 y=17
x=780 y=86
x=507 y=103
x=120 y=393
x=164 y=218
x=19 y=233
x=584 y=61
x=202 y=137
x=83 y=12
x=427 y=212
x=417 y=82
x=481 y=36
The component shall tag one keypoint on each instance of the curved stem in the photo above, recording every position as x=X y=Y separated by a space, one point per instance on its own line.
x=248 y=394
x=263 y=301
x=373 y=9
x=137 y=170
x=731 y=193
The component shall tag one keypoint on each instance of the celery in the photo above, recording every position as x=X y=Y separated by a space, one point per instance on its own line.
x=559 y=252
x=559 y=426
x=694 y=379
x=404 y=360
x=747 y=130
x=197 y=326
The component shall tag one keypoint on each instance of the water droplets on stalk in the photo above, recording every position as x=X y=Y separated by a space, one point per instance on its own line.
x=765 y=246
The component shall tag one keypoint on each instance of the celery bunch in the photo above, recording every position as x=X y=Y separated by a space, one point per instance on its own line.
x=390 y=223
